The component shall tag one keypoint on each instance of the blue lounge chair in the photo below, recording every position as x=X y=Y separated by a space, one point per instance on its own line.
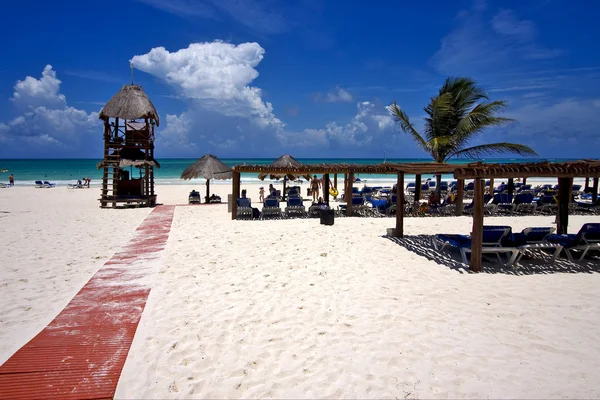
x=547 y=203
x=244 y=209
x=524 y=203
x=295 y=206
x=535 y=238
x=49 y=185
x=504 y=202
x=271 y=208
x=496 y=240
x=194 y=197
x=588 y=238
x=39 y=184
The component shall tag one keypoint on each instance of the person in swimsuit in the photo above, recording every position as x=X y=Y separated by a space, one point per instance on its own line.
x=315 y=183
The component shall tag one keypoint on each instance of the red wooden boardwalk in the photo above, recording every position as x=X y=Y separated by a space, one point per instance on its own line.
x=81 y=353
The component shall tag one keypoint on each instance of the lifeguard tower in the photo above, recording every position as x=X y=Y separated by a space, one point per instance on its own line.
x=129 y=120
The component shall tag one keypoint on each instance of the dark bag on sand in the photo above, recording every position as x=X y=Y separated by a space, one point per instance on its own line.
x=327 y=217
x=255 y=213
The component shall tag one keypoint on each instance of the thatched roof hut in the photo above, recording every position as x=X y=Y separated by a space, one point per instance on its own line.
x=285 y=161
x=131 y=102
x=207 y=167
x=131 y=157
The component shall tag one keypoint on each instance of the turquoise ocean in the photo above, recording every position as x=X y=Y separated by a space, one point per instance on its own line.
x=65 y=171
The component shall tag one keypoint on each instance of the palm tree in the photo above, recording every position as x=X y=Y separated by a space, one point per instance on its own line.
x=458 y=114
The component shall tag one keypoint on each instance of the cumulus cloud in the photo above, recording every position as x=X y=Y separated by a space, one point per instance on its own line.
x=32 y=92
x=47 y=123
x=216 y=76
x=338 y=95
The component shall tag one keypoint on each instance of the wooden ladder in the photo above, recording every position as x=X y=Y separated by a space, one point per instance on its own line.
x=110 y=179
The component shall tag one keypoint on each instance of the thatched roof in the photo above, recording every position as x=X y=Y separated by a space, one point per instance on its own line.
x=284 y=162
x=131 y=157
x=130 y=103
x=207 y=167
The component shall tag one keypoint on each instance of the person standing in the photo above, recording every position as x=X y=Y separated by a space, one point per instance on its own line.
x=11 y=180
x=315 y=183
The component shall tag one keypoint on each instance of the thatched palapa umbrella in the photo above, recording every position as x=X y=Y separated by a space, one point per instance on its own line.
x=130 y=103
x=285 y=161
x=208 y=167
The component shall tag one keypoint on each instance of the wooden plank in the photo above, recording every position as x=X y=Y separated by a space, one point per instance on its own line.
x=595 y=191
x=235 y=191
x=565 y=188
x=491 y=191
x=460 y=196
x=326 y=188
x=417 y=191
x=400 y=206
x=477 y=231
x=349 y=194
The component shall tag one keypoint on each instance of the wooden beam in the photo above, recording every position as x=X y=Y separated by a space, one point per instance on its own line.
x=460 y=197
x=525 y=181
x=349 y=194
x=565 y=188
x=595 y=191
x=326 y=188
x=511 y=186
x=400 y=206
x=335 y=180
x=491 y=191
x=417 y=191
x=477 y=231
x=235 y=189
x=208 y=191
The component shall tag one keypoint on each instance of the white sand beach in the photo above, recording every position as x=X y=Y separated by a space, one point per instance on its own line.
x=295 y=309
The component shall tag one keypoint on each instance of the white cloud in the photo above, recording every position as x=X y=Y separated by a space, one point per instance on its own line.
x=48 y=122
x=32 y=92
x=176 y=133
x=216 y=75
x=338 y=95
x=478 y=45
x=506 y=23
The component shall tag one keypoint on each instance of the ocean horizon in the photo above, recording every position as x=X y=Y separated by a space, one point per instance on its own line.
x=69 y=170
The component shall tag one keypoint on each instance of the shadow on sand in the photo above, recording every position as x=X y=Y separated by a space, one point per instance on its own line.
x=537 y=263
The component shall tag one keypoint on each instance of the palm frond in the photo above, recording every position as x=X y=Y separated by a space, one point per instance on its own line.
x=440 y=113
x=406 y=126
x=494 y=149
x=481 y=116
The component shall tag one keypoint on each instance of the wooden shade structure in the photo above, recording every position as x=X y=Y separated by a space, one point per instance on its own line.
x=129 y=119
x=207 y=167
x=564 y=171
x=286 y=162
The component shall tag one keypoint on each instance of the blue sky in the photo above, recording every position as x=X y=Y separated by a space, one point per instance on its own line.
x=312 y=78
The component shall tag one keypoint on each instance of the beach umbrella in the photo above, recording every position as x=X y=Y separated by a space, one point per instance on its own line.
x=285 y=161
x=208 y=167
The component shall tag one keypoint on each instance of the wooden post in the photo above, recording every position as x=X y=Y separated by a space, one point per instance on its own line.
x=595 y=191
x=349 y=194
x=587 y=183
x=417 y=192
x=477 y=231
x=399 y=232
x=335 y=181
x=565 y=188
x=524 y=181
x=491 y=187
x=208 y=191
x=235 y=189
x=326 y=188
x=284 y=182
x=460 y=197
x=511 y=186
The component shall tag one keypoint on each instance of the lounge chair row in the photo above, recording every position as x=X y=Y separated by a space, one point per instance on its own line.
x=500 y=240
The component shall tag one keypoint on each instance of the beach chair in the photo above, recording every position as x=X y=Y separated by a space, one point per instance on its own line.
x=496 y=240
x=588 y=238
x=487 y=208
x=194 y=197
x=314 y=211
x=244 y=209
x=504 y=202
x=271 y=208
x=49 y=184
x=39 y=184
x=547 y=204
x=535 y=238
x=524 y=203
x=410 y=187
x=295 y=206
